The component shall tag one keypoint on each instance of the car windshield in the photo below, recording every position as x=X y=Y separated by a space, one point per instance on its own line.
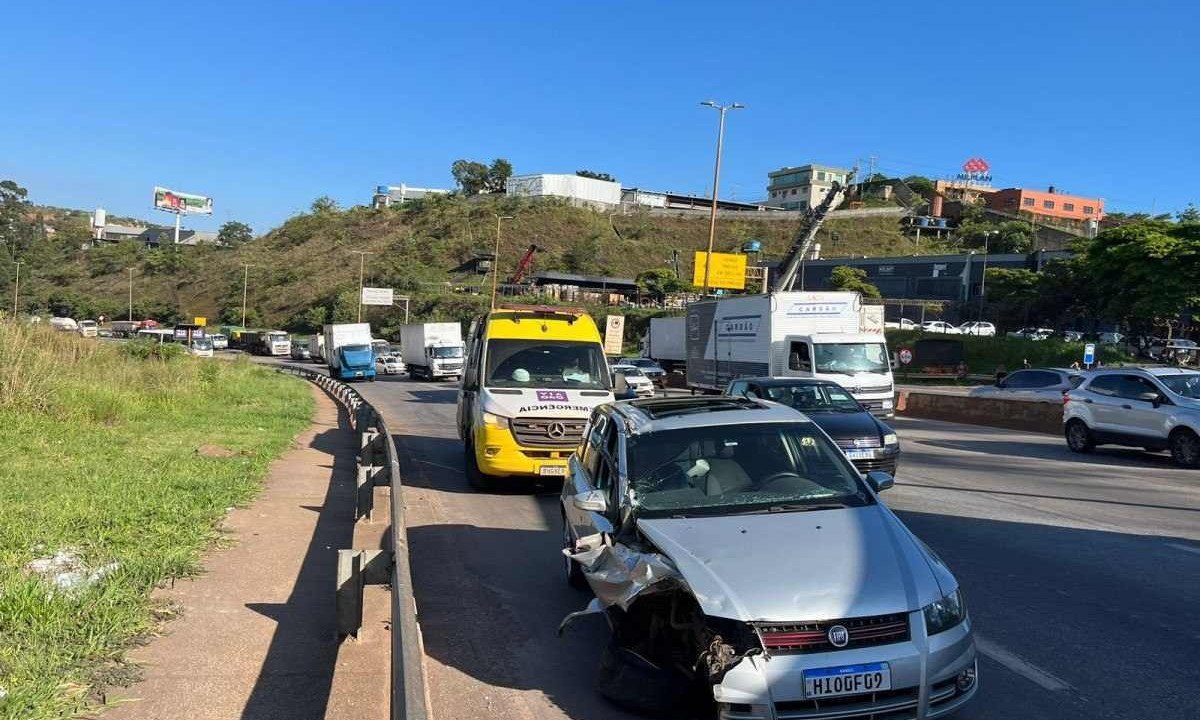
x=810 y=397
x=202 y=344
x=730 y=469
x=1186 y=384
x=850 y=358
x=546 y=364
x=355 y=348
x=629 y=371
x=445 y=352
x=637 y=362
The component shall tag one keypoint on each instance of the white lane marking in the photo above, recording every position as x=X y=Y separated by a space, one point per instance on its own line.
x=1185 y=548
x=1022 y=667
x=444 y=467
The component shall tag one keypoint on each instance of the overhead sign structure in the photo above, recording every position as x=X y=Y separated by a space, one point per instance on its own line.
x=377 y=296
x=1089 y=353
x=182 y=203
x=614 y=334
x=728 y=270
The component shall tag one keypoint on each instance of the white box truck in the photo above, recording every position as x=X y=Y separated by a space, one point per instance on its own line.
x=316 y=347
x=348 y=351
x=824 y=335
x=666 y=342
x=432 y=350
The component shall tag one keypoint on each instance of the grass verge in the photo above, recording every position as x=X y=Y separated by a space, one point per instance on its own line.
x=122 y=467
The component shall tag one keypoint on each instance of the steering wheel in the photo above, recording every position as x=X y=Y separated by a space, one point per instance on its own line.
x=776 y=477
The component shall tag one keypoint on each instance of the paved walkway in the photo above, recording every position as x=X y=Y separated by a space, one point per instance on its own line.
x=256 y=636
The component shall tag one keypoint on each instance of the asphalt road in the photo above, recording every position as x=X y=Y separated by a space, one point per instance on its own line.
x=1082 y=574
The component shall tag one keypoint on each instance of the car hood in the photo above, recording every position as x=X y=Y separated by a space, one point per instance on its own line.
x=815 y=565
x=845 y=424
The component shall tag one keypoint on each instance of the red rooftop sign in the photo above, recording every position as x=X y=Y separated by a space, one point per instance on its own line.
x=976 y=169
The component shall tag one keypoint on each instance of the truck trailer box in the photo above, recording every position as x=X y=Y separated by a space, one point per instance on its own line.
x=432 y=350
x=348 y=351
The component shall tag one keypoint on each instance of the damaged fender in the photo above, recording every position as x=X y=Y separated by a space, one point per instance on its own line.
x=617 y=574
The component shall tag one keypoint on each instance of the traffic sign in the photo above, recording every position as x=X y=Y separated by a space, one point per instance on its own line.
x=905 y=356
x=1089 y=353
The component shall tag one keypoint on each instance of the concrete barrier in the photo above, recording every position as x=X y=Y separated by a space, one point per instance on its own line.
x=1040 y=417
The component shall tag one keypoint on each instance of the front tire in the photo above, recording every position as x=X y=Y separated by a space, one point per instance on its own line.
x=1079 y=437
x=475 y=477
x=1185 y=448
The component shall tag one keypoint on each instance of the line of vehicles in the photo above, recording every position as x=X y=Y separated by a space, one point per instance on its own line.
x=726 y=538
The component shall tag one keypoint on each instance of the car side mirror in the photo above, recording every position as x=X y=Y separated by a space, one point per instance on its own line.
x=1001 y=384
x=591 y=501
x=1151 y=397
x=878 y=480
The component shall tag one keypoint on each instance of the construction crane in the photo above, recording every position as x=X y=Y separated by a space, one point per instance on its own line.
x=523 y=265
x=790 y=265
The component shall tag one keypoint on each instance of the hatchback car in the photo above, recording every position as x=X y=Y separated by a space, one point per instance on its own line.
x=937 y=326
x=1032 y=333
x=867 y=441
x=628 y=377
x=1151 y=408
x=1034 y=384
x=392 y=365
x=976 y=327
x=902 y=324
x=648 y=367
x=737 y=554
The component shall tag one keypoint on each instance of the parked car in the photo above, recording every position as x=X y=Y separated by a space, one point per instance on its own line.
x=219 y=341
x=648 y=367
x=1032 y=333
x=1069 y=335
x=1034 y=384
x=628 y=377
x=1111 y=338
x=902 y=324
x=300 y=351
x=392 y=365
x=868 y=442
x=1150 y=408
x=978 y=327
x=937 y=326
x=1177 y=351
x=735 y=550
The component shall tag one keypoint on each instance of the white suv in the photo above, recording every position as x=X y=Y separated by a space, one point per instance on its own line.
x=1151 y=408
x=977 y=327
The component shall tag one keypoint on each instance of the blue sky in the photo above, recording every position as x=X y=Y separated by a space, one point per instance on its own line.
x=267 y=105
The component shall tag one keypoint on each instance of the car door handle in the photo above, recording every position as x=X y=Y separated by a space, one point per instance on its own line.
x=1127 y=407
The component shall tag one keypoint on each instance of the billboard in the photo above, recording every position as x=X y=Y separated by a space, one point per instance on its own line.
x=728 y=271
x=376 y=296
x=181 y=202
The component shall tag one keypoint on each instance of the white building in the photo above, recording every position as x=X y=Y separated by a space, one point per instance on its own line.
x=579 y=190
x=803 y=187
x=385 y=195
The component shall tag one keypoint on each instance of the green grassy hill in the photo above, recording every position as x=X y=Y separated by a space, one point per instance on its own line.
x=303 y=273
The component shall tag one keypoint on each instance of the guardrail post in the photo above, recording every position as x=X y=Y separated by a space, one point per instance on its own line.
x=364 y=506
x=349 y=597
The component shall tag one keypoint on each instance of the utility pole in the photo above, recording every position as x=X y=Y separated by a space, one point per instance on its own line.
x=362 y=259
x=496 y=258
x=130 y=294
x=17 y=289
x=245 y=288
x=712 y=221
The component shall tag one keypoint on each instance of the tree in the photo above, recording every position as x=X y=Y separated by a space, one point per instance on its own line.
x=660 y=282
x=1013 y=291
x=234 y=233
x=14 y=225
x=853 y=279
x=1149 y=270
x=1190 y=214
x=595 y=175
x=475 y=177
x=921 y=185
x=324 y=205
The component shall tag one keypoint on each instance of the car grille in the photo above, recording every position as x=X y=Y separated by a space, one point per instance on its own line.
x=887 y=465
x=457 y=366
x=539 y=432
x=806 y=637
x=869 y=390
x=859 y=443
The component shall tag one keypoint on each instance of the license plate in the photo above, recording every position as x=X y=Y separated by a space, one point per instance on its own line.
x=847 y=680
x=859 y=454
x=552 y=471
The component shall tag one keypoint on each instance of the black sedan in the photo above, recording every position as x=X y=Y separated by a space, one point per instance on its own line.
x=867 y=441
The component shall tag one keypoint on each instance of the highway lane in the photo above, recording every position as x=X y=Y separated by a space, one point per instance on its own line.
x=1080 y=572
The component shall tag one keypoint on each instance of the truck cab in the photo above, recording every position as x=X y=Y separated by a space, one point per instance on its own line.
x=858 y=362
x=531 y=378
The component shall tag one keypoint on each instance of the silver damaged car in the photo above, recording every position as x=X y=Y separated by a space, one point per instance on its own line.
x=746 y=569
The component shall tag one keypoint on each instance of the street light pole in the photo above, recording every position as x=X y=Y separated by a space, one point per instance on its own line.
x=983 y=277
x=496 y=258
x=362 y=260
x=130 y=294
x=17 y=289
x=245 y=289
x=712 y=220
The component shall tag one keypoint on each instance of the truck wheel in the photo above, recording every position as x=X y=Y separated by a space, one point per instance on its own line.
x=475 y=476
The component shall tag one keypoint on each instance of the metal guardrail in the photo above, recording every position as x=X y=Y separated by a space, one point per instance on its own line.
x=378 y=464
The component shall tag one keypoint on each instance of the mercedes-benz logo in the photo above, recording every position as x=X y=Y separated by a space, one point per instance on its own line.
x=838 y=636
x=556 y=430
